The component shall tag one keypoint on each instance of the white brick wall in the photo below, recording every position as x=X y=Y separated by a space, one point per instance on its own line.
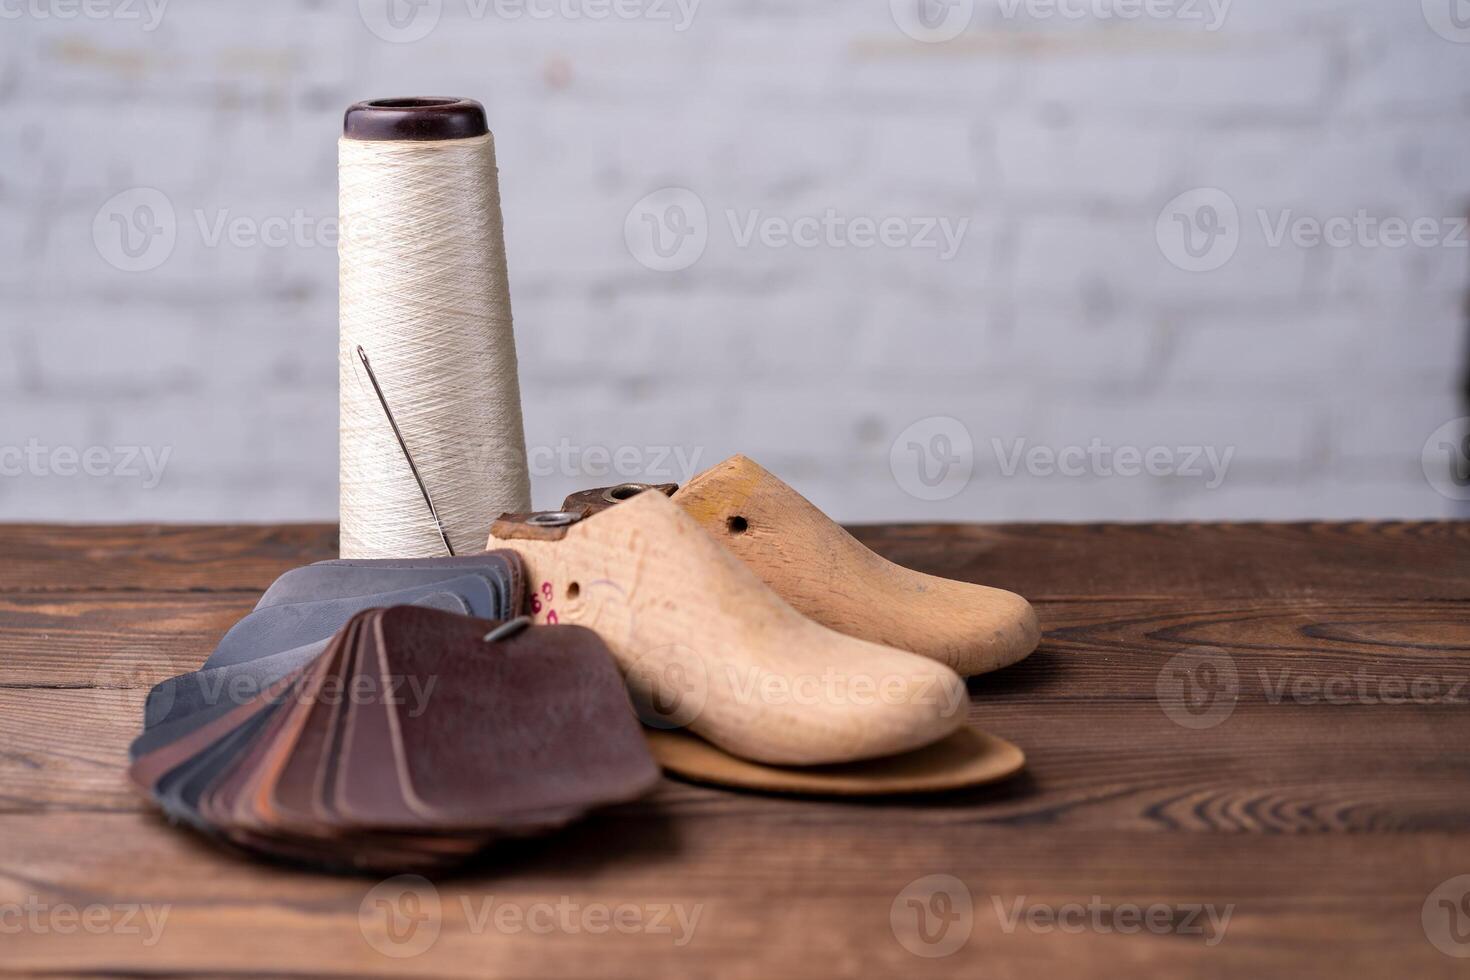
x=1060 y=321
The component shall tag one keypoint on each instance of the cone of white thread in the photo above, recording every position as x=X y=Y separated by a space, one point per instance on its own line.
x=425 y=294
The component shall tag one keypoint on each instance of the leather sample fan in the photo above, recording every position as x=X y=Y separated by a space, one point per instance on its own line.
x=411 y=737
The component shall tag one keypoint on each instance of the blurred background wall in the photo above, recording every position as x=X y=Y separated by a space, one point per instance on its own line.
x=928 y=259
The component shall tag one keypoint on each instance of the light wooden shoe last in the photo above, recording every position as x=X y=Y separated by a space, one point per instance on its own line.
x=704 y=643
x=829 y=576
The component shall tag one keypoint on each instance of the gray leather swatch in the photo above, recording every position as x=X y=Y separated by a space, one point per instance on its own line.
x=295 y=624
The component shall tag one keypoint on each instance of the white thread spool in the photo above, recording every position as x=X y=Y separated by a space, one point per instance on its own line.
x=424 y=292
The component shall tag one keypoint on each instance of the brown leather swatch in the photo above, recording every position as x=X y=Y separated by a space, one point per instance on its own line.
x=411 y=741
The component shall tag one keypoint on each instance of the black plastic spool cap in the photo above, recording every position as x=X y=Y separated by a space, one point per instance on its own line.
x=422 y=119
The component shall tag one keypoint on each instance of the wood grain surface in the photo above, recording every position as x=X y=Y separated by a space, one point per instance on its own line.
x=1269 y=724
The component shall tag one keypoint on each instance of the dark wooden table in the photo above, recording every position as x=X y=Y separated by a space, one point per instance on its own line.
x=1269 y=722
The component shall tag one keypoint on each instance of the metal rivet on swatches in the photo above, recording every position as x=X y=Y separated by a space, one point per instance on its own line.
x=508 y=629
